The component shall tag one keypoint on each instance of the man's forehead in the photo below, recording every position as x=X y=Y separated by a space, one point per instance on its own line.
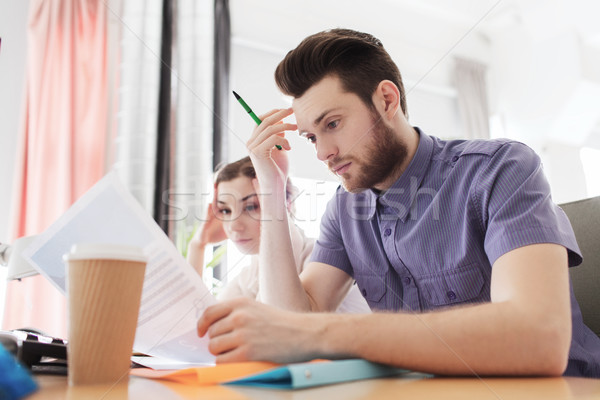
x=304 y=110
x=320 y=91
x=323 y=96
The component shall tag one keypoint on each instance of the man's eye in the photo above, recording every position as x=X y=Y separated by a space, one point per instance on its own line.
x=333 y=124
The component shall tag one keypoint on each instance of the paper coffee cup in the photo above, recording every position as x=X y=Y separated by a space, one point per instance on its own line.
x=104 y=289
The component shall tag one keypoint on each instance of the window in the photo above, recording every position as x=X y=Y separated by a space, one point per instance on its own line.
x=590 y=158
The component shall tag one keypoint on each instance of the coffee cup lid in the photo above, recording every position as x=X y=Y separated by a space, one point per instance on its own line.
x=102 y=251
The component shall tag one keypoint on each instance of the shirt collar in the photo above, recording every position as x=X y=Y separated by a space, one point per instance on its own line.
x=401 y=195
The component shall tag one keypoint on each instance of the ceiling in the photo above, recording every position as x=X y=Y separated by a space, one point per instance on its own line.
x=285 y=22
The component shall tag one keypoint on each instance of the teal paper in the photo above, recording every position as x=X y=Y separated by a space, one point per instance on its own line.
x=304 y=375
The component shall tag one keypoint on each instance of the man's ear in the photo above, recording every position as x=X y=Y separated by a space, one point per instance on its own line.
x=387 y=99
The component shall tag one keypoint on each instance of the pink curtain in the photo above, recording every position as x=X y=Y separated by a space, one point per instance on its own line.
x=62 y=140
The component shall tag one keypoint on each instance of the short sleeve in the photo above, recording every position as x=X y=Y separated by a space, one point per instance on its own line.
x=515 y=204
x=329 y=248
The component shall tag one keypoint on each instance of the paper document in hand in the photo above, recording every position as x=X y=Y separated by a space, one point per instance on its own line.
x=174 y=295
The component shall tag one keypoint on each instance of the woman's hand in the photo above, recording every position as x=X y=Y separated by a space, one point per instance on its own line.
x=210 y=232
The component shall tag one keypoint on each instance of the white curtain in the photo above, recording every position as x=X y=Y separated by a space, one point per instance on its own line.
x=469 y=79
x=193 y=111
x=135 y=30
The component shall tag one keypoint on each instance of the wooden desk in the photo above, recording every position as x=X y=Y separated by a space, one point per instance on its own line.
x=411 y=387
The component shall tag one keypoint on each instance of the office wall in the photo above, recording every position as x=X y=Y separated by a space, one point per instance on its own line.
x=543 y=97
x=13 y=18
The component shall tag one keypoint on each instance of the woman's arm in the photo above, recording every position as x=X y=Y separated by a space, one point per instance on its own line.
x=195 y=255
x=210 y=232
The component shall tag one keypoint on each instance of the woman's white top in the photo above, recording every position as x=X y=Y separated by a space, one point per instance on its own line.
x=246 y=282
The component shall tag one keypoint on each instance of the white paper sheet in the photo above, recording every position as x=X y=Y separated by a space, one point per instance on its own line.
x=173 y=296
x=159 y=364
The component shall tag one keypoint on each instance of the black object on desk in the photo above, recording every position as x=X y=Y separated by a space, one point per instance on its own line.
x=39 y=353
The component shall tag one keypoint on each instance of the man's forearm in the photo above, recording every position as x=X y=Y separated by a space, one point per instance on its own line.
x=484 y=339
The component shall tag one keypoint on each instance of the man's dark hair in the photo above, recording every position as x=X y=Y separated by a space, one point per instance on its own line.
x=357 y=59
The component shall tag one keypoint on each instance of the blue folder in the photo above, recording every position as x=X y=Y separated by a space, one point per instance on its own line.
x=304 y=375
x=15 y=380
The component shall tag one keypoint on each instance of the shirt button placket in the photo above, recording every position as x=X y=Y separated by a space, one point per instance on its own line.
x=387 y=234
x=411 y=296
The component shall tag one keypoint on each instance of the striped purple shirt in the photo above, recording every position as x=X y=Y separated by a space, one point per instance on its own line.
x=431 y=239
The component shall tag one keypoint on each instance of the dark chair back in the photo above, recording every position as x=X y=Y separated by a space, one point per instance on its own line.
x=585 y=219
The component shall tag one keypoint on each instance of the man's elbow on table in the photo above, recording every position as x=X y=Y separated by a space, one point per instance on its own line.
x=555 y=349
x=549 y=344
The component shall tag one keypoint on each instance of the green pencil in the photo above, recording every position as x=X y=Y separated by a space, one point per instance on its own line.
x=249 y=111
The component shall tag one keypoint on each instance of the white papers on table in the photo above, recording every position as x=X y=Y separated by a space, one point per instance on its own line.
x=158 y=363
x=174 y=295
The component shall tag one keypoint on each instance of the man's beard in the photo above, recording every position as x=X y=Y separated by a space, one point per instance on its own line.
x=384 y=155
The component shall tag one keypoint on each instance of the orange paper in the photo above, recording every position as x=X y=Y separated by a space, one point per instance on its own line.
x=207 y=375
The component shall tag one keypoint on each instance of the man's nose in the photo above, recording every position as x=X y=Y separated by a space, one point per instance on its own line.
x=326 y=149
